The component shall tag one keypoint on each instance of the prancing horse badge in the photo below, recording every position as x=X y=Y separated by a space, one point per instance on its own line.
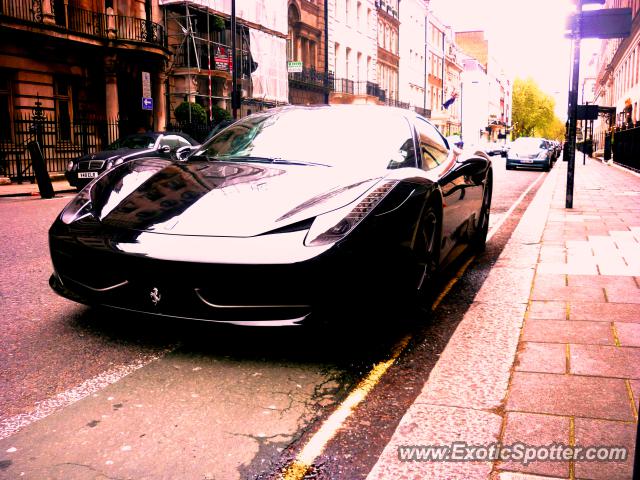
x=155 y=296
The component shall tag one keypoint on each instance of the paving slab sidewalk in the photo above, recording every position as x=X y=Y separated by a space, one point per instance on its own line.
x=549 y=352
x=27 y=189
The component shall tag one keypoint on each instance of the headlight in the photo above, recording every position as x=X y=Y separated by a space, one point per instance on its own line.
x=118 y=161
x=108 y=164
x=542 y=155
x=79 y=207
x=70 y=165
x=335 y=225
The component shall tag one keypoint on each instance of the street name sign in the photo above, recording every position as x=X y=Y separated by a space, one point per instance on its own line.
x=146 y=85
x=147 y=103
x=587 y=112
x=603 y=23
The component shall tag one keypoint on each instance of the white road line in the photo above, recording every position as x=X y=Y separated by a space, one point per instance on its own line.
x=45 y=408
x=496 y=227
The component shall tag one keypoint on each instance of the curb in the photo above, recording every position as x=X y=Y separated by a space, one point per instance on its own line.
x=35 y=193
x=463 y=399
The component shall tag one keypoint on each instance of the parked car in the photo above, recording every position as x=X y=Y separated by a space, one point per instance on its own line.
x=82 y=170
x=504 y=148
x=530 y=152
x=287 y=212
x=492 y=148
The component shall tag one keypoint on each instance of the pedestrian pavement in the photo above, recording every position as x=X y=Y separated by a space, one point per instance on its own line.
x=549 y=351
x=26 y=188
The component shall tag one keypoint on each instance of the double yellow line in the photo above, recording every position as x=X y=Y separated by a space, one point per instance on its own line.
x=316 y=444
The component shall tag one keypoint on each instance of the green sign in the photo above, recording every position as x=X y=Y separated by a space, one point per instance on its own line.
x=294 y=67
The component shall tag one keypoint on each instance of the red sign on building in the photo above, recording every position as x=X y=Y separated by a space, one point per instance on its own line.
x=222 y=59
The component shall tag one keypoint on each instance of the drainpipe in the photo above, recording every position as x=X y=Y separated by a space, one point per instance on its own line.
x=442 y=69
x=326 y=52
x=426 y=52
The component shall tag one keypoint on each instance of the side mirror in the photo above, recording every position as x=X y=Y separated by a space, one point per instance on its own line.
x=183 y=152
x=165 y=149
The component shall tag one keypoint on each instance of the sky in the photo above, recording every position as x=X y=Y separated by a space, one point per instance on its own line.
x=525 y=36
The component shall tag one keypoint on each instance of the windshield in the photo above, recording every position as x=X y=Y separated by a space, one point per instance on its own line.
x=525 y=143
x=354 y=137
x=133 y=142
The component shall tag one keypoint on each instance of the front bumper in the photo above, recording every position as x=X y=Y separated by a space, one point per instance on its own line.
x=94 y=271
x=528 y=163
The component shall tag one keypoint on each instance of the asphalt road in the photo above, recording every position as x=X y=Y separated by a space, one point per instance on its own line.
x=91 y=394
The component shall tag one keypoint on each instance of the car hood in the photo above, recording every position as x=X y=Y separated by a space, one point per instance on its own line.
x=227 y=199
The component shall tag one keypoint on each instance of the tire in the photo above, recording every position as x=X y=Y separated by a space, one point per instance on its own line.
x=547 y=167
x=479 y=241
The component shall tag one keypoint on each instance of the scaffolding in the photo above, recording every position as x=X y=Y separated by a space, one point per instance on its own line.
x=201 y=39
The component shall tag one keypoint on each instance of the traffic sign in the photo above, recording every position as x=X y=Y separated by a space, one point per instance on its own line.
x=603 y=23
x=146 y=84
x=587 y=112
x=147 y=103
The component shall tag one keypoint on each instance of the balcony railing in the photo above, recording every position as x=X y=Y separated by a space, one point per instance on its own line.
x=87 y=22
x=29 y=10
x=313 y=78
x=343 y=85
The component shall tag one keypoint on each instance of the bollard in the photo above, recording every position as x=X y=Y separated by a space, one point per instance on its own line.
x=40 y=169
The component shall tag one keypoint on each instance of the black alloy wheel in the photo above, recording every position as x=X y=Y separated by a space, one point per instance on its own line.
x=479 y=242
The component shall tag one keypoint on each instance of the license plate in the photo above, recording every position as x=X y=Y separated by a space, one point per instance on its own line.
x=526 y=161
x=87 y=174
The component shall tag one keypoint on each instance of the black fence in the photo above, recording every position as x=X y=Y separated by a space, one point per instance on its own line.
x=626 y=147
x=197 y=131
x=60 y=141
x=313 y=78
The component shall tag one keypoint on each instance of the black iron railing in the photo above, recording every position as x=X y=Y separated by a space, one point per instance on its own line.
x=29 y=10
x=425 y=112
x=343 y=85
x=312 y=77
x=60 y=141
x=626 y=147
x=87 y=22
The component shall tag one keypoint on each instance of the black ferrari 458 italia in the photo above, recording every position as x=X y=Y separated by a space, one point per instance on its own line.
x=286 y=212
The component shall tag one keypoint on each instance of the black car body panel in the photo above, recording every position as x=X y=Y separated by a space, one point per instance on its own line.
x=90 y=166
x=236 y=241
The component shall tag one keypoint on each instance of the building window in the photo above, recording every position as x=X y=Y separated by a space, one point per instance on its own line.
x=312 y=54
x=5 y=107
x=62 y=95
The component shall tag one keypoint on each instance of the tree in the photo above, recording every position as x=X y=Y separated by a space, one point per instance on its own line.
x=532 y=109
x=190 y=113
x=554 y=130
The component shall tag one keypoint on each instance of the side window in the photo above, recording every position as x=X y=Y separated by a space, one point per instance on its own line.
x=433 y=149
x=405 y=156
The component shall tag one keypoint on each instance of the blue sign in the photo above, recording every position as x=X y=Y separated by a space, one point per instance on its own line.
x=147 y=103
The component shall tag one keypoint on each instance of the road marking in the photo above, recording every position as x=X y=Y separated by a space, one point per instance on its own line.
x=330 y=427
x=507 y=214
x=12 y=425
x=451 y=283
